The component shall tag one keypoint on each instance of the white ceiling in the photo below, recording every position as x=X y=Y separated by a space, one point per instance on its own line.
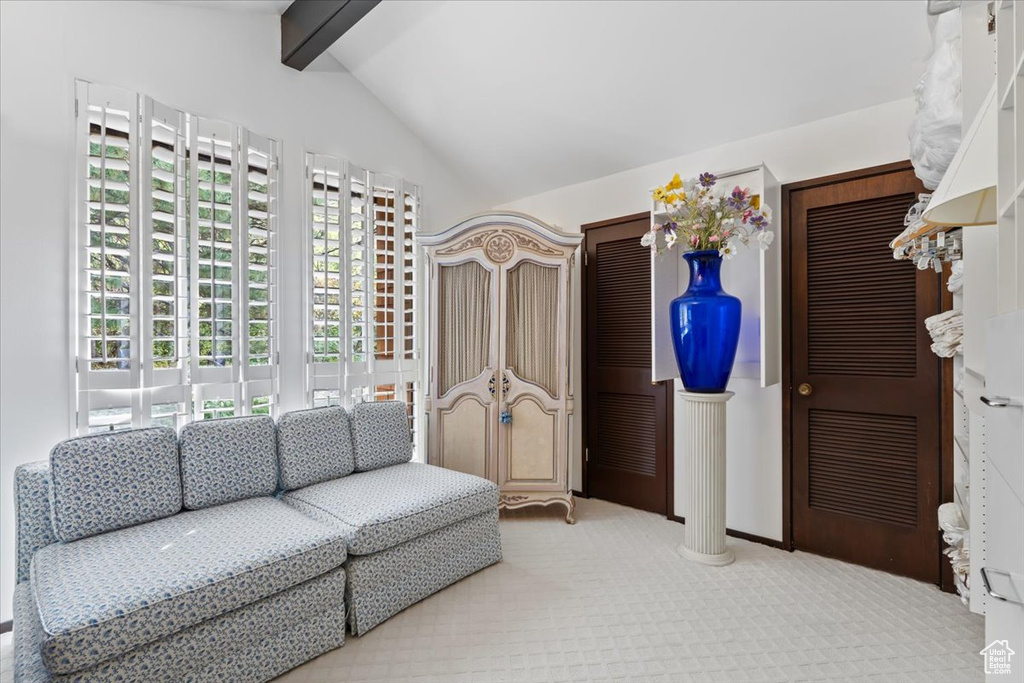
x=530 y=96
x=525 y=96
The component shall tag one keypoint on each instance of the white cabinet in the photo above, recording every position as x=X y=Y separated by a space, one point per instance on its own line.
x=499 y=400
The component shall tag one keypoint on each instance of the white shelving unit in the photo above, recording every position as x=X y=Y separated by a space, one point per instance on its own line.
x=987 y=445
x=978 y=304
x=1002 y=464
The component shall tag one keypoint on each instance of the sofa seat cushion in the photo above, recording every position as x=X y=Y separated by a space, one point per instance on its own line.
x=394 y=504
x=105 y=595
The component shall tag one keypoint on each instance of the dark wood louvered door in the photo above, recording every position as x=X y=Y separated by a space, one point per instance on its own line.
x=865 y=387
x=628 y=419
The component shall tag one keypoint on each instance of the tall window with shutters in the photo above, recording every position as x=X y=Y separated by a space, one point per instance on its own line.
x=363 y=283
x=175 y=224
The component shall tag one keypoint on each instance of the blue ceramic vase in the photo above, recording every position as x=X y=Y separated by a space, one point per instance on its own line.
x=705 y=326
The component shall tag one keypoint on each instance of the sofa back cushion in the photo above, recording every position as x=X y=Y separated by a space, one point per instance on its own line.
x=227 y=460
x=314 y=446
x=381 y=434
x=110 y=481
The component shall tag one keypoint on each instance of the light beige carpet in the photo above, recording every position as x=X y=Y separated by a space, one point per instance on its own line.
x=610 y=600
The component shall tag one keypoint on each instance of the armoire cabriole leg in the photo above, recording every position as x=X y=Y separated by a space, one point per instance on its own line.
x=705 y=449
x=515 y=501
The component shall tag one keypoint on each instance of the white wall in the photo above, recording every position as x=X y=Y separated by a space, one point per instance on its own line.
x=859 y=139
x=216 y=63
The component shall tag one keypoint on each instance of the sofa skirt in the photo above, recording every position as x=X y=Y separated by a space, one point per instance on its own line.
x=252 y=644
x=385 y=583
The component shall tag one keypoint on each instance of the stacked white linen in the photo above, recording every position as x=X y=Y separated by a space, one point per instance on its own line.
x=956 y=277
x=947 y=331
x=957 y=538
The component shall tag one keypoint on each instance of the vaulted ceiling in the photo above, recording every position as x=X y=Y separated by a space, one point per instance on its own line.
x=525 y=96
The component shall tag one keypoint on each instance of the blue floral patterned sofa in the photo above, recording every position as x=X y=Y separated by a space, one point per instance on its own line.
x=236 y=551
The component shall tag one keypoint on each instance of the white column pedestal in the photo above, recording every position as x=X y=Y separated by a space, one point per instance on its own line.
x=705 y=467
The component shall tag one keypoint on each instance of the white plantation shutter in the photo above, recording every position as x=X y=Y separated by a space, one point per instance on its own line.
x=108 y=227
x=258 y=287
x=215 y=241
x=164 y=265
x=174 y=259
x=363 y=273
x=164 y=276
x=410 y=204
x=341 y=334
x=358 y=272
x=105 y=260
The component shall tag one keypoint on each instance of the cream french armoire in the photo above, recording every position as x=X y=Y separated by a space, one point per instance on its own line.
x=498 y=400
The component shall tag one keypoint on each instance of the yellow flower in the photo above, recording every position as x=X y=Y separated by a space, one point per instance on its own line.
x=755 y=202
x=675 y=183
x=659 y=194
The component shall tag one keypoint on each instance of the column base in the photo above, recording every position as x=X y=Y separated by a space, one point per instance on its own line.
x=719 y=560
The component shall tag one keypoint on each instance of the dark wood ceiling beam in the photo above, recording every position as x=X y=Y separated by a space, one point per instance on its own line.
x=308 y=27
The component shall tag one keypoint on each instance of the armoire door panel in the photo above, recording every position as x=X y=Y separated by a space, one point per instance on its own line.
x=464 y=356
x=865 y=432
x=532 y=313
x=532 y=436
x=464 y=302
x=465 y=437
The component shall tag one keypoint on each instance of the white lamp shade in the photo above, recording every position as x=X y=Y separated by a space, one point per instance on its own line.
x=967 y=193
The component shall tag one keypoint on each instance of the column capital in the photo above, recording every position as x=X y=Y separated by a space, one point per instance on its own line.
x=705 y=398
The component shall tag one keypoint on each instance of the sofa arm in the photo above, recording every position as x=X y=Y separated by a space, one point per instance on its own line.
x=33 y=528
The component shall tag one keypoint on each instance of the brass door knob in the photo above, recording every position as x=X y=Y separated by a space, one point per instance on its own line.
x=805 y=389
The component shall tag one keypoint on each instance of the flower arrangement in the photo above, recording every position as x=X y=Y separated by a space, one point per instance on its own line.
x=703 y=218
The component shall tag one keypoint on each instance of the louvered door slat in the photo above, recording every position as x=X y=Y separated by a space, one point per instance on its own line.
x=624 y=290
x=864 y=459
x=862 y=344
x=625 y=433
